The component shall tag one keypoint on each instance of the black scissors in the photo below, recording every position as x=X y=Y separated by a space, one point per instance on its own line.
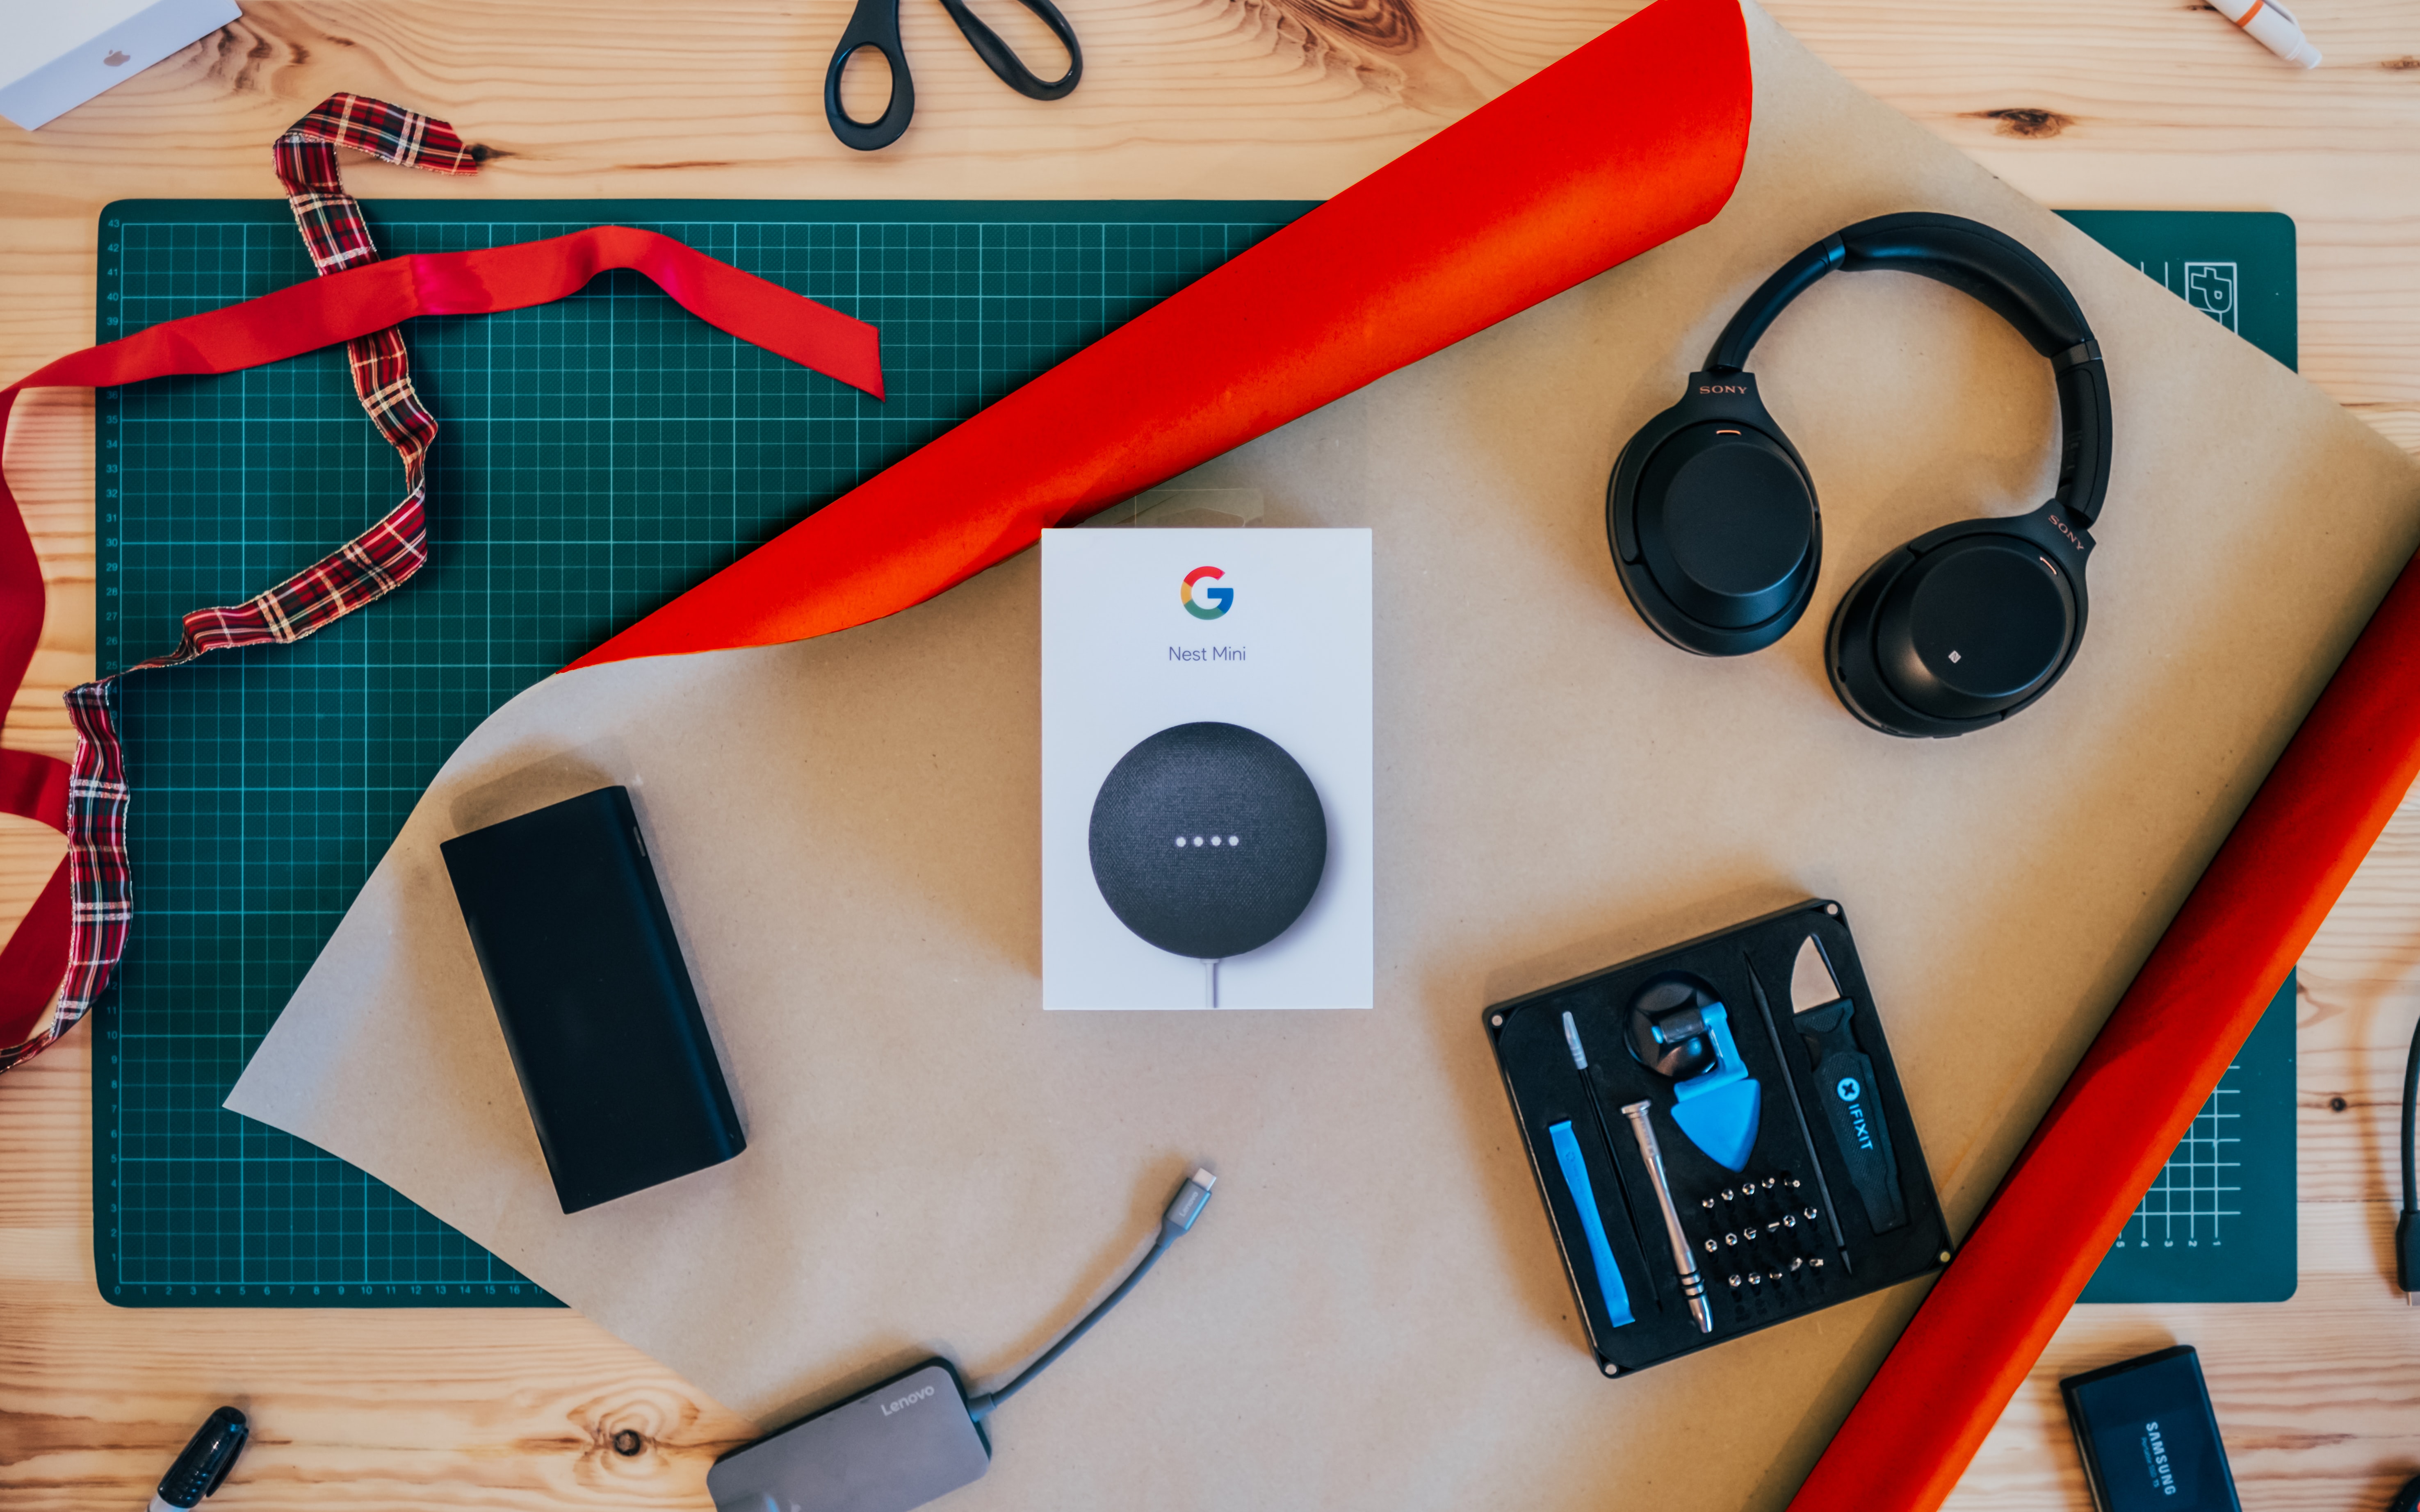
x=874 y=24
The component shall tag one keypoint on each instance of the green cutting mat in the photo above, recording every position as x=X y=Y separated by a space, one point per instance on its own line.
x=2219 y=1223
x=597 y=456
x=2236 y=267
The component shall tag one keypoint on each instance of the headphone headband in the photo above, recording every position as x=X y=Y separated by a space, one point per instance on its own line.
x=1993 y=268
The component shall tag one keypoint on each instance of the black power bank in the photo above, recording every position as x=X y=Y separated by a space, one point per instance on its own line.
x=594 y=998
x=2147 y=1436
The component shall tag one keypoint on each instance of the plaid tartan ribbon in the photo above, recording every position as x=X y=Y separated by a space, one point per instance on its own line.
x=63 y=952
x=362 y=570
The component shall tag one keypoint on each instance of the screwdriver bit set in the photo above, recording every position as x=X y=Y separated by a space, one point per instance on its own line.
x=1719 y=1137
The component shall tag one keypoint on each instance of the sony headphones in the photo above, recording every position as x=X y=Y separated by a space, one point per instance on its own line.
x=1717 y=538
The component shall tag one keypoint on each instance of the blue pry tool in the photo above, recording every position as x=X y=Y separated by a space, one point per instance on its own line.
x=1576 y=1177
x=1717 y=1108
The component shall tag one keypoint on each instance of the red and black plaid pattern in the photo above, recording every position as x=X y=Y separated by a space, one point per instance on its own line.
x=306 y=166
x=359 y=572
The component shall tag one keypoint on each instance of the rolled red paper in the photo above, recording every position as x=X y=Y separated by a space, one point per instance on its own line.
x=2138 y=1088
x=1625 y=144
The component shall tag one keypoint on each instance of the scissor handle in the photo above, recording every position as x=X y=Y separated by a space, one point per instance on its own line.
x=874 y=24
x=1002 y=59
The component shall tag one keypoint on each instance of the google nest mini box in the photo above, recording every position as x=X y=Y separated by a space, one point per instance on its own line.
x=1207 y=806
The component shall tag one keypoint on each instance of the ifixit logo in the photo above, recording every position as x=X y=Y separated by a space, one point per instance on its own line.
x=1848 y=1091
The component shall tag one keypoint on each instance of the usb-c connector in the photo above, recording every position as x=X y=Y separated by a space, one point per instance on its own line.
x=1186 y=1205
x=2407 y=1223
x=2407 y=1255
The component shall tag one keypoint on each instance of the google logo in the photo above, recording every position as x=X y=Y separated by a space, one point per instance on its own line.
x=1220 y=599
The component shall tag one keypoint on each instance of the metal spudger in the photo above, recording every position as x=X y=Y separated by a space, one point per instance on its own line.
x=874 y=24
x=1691 y=1287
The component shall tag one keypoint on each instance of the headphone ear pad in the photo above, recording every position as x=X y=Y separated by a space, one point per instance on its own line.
x=1718 y=539
x=1952 y=632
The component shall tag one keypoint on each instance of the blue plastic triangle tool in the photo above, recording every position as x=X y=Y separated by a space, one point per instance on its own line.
x=1718 y=1107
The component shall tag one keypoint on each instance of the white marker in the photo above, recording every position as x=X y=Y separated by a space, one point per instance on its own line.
x=2273 y=26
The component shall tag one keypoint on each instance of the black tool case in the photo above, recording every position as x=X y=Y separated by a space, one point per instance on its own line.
x=1787 y=1235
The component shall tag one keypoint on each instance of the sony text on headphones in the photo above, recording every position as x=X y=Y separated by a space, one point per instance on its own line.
x=1717 y=538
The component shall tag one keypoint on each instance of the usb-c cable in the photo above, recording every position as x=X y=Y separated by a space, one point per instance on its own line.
x=1174 y=1224
x=2407 y=1223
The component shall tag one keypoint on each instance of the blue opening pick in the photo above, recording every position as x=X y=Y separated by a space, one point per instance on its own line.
x=1717 y=1108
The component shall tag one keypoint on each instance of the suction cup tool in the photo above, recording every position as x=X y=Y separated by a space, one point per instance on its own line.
x=1678 y=1028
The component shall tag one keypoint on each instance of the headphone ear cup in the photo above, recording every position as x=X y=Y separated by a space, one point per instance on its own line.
x=1955 y=631
x=1716 y=536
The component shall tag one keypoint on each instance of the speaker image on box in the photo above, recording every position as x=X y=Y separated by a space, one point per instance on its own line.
x=1208 y=840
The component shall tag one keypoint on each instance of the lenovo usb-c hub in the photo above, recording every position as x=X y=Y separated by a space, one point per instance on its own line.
x=914 y=1437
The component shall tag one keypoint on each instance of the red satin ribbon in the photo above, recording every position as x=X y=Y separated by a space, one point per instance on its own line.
x=341 y=306
x=323 y=313
x=1627 y=142
x=32 y=786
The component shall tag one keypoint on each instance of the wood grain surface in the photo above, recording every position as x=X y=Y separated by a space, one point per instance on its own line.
x=2078 y=102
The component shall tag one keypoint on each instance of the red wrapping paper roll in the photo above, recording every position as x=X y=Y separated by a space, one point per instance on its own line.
x=2136 y=1090
x=1625 y=144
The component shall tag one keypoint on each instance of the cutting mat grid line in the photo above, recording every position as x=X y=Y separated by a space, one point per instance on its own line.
x=2194 y=1190
x=595 y=456
x=2218 y=1223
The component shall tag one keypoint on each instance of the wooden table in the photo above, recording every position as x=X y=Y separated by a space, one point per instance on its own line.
x=2079 y=102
